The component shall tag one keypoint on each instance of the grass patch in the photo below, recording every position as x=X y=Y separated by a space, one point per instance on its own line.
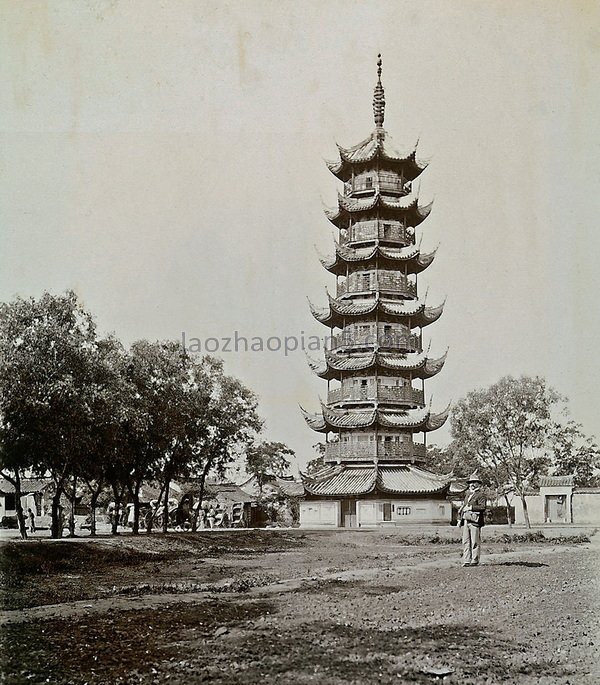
x=537 y=536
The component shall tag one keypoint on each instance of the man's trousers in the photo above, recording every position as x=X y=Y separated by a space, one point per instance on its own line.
x=471 y=543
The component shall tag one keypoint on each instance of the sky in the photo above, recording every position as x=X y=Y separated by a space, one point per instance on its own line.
x=165 y=161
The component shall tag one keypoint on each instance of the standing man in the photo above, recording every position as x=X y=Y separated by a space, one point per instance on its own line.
x=31 y=517
x=471 y=517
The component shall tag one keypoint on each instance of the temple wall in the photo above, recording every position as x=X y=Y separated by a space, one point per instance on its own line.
x=373 y=512
x=319 y=514
x=586 y=507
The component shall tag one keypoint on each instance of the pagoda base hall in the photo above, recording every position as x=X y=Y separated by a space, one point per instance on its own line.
x=374 y=469
x=354 y=496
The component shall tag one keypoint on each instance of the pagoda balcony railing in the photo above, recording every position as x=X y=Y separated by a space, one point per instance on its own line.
x=364 y=232
x=382 y=393
x=385 y=185
x=354 y=451
x=383 y=339
x=396 y=283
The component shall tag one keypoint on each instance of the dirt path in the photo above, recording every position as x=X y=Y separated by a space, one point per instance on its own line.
x=151 y=601
x=331 y=609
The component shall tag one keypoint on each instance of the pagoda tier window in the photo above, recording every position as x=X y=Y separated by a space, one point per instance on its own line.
x=365 y=230
x=382 y=437
x=386 y=181
x=390 y=182
x=372 y=230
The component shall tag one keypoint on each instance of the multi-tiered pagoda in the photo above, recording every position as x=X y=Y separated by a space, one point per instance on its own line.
x=376 y=363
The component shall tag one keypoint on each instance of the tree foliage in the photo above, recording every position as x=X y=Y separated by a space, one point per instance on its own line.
x=317 y=462
x=85 y=411
x=264 y=459
x=515 y=431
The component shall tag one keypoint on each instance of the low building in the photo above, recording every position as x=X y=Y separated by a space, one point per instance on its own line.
x=558 y=501
x=276 y=500
x=355 y=496
x=34 y=496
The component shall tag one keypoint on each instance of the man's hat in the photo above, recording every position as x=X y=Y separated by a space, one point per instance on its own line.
x=474 y=478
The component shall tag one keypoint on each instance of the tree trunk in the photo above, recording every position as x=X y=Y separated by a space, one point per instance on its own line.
x=72 y=499
x=56 y=527
x=166 y=506
x=508 y=516
x=93 y=502
x=203 y=477
x=525 y=511
x=117 y=513
x=135 y=494
x=19 y=506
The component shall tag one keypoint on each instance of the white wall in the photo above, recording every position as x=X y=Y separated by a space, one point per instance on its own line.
x=319 y=513
x=586 y=507
x=370 y=512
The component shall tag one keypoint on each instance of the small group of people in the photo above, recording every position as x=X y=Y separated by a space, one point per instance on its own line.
x=214 y=515
x=471 y=517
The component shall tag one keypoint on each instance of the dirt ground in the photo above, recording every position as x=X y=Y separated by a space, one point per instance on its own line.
x=294 y=606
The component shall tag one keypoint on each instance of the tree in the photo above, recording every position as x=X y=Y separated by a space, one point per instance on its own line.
x=318 y=462
x=574 y=453
x=231 y=424
x=266 y=459
x=46 y=352
x=112 y=406
x=506 y=428
x=172 y=396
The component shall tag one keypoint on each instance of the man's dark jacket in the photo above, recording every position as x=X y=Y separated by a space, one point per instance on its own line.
x=477 y=501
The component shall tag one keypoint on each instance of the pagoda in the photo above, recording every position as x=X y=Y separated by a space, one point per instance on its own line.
x=375 y=362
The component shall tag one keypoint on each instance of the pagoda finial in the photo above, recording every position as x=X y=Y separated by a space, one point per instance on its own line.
x=378 y=98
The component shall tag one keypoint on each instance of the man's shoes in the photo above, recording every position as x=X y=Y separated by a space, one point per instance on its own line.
x=474 y=563
x=466 y=565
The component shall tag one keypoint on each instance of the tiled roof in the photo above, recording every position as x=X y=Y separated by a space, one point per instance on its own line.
x=410 y=479
x=347 y=363
x=28 y=485
x=352 y=204
x=425 y=316
x=292 y=488
x=314 y=421
x=229 y=491
x=380 y=145
x=408 y=205
x=343 y=481
x=411 y=255
x=417 y=418
x=556 y=481
x=333 y=419
x=345 y=419
x=418 y=362
x=337 y=309
x=359 y=480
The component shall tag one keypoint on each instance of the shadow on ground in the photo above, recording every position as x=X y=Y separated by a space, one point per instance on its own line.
x=240 y=642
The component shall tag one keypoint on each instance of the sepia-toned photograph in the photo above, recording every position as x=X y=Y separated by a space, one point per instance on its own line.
x=298 y=325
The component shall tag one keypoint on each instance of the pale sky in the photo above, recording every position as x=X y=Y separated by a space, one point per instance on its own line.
x=165 y=160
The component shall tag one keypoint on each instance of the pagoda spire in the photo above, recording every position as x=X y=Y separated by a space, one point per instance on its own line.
x=378 y=98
